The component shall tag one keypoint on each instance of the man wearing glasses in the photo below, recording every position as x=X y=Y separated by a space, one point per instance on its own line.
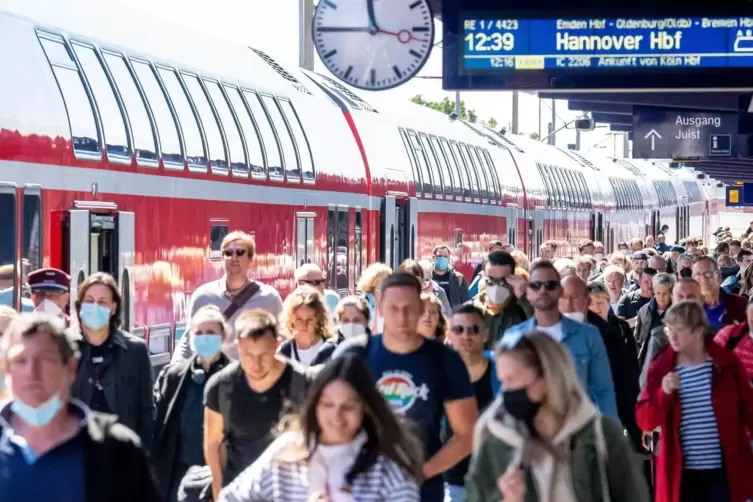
x=311 y=275
x=583 y=341
x=468 y=336
x=232 y=294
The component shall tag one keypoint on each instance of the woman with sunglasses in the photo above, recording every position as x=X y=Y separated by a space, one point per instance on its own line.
x=179 y=394
x=543 y=440
x=347 y=445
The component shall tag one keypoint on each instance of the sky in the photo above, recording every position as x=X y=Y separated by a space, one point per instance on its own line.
x=274 y=28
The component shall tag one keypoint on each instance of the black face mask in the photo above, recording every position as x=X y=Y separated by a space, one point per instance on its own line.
x=519 y=405
x=686 y=272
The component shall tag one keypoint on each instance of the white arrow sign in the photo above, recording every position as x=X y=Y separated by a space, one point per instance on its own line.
x=653 y=135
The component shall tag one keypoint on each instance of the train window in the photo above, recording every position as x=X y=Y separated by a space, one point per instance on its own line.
x=31 y=244
x=476 y=173
x=559 y=187
x=217 y=232
x=491 y=182
x=304 y=238
x=195 y=152
x=555 y=193
x=249 y=132
x=436 y=174
x=584 y=189
x=412 y=160
x=483 y=178
x=358 y=245
x=343 y=250
x=304 y=148
x=144 y=142
x=331 y=240
x=84 y=132
x=569 y=196
x=423 y=163
x=443 y=166
x=271 y=146
x=573 y=188
x=232 y=134
x=630 y=185
x=498 y=189
x=459 y=181
x=289 y=156
x=547 y=186
x=8 y=246
x=471 y=171
x=167 y=126
x=208 y=121
x=113 y=123
x=465 y=173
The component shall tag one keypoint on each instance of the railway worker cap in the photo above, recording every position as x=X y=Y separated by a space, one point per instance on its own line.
x=640 y=255
x=49 y=279
x=677 y=249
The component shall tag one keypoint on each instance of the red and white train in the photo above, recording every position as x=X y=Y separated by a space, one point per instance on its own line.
x=132 y=146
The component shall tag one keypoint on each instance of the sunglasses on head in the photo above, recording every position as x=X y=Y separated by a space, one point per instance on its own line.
x=317 y=282
x=548 y=285
x=236 y=252
x=471 y=330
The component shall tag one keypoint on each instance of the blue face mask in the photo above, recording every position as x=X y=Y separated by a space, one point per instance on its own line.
x=441 y=262
x=40 y=416
x=207 y=346
x=94 y=316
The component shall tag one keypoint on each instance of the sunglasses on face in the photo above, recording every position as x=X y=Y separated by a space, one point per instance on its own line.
x=471 y=330
x=237 y=252
x=547 y=285
x=317 y=282
x=491 y=281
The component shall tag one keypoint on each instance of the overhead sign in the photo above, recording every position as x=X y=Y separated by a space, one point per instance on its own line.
x=673 y=133
x=565 y=52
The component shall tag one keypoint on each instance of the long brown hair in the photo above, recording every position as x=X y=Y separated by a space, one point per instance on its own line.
x=306 y=296
x=386 y=436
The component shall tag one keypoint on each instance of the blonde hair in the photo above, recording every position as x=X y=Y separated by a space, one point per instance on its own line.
x=305 y=269
x=209 y=313
x=521 y=260
x=306 y=296
x=245 y=238
x=688 y=314
x=614 y=269
x=357 y=303
x=372 y=275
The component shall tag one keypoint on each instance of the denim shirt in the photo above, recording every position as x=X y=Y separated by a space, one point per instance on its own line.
x=586 y=346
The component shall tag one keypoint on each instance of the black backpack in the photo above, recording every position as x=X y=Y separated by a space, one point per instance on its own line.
x=732 y=342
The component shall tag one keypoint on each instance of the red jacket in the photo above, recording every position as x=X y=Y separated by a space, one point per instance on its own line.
x=744 y=348
x=732 y=398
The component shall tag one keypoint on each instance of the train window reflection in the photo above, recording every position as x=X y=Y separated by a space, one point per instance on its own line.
x=249 y=132
x=195 y=154
x=444 y=167
x=412 y=159
x=232 y=135
x=358 y=244
x=465 y=174
x=215 y=145
x=141 y=127
x=475 y=180
x=436 y=175
x=423 y=162
x=113 y=123
x=31 y=245
x=167 y=127
x=271 y=147
x=84 y=133
x=289 y=156
x=343 y=250
x=460 y=181
x=305 y=239
x=304 y=148
x=217 y=232
x=7 y=249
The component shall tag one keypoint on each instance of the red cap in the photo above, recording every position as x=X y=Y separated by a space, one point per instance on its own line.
x=48 y=279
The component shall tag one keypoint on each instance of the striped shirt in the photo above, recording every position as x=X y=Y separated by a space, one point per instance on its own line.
x=699 y=434
x=272 y=480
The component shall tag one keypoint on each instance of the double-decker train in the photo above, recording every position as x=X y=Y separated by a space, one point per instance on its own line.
x=133 y=146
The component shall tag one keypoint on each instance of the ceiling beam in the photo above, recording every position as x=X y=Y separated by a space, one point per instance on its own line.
x=596 y=106
x=719 y=101
x=621 y=128
x=612 y=118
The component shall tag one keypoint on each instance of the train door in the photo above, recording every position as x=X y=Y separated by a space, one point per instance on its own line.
x=535 y=232
x=597 y=227
x=399 y=220
x=512 y=226
x=99 y=238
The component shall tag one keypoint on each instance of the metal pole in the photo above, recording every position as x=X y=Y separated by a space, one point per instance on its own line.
x=625 y=145
x=540 y=137
x=457 y=103
x=515 y=112
x=577 y=140
x=553 y=136
x=305 y=37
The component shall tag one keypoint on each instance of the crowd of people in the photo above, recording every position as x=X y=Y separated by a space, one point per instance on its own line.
x=622 y=376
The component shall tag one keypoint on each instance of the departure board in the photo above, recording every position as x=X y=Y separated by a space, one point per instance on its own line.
x=492 y=45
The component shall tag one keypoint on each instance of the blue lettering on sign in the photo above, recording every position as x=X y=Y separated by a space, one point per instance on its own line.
x=604 y=43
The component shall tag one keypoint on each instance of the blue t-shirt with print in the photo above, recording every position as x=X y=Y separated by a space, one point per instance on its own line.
x=417 y=385
x=715 y=314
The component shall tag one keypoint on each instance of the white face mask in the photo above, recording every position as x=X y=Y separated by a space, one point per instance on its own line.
x=497 y=295
x=49 y=307
x=598 y=256
x=575 y=316
x=350 y=329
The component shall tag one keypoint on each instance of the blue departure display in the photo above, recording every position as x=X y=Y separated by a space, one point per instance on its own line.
x=495 y=45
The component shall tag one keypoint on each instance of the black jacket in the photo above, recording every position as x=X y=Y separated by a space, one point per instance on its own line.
x=624 y=366
x=116 y=466
x=169 y=393
x=126 y=379
x=647 y=320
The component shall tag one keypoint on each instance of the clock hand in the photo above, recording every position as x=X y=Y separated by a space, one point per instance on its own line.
x=334 y=29
x=404 y=36
x=373 y=28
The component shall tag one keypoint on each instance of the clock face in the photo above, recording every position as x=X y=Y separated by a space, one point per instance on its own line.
x=373 y=44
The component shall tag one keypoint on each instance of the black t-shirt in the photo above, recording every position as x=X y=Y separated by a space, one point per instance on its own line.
x=98 y=357
x=630 y=304
x=443 y=281
x=482 y=389
x=251 y=417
